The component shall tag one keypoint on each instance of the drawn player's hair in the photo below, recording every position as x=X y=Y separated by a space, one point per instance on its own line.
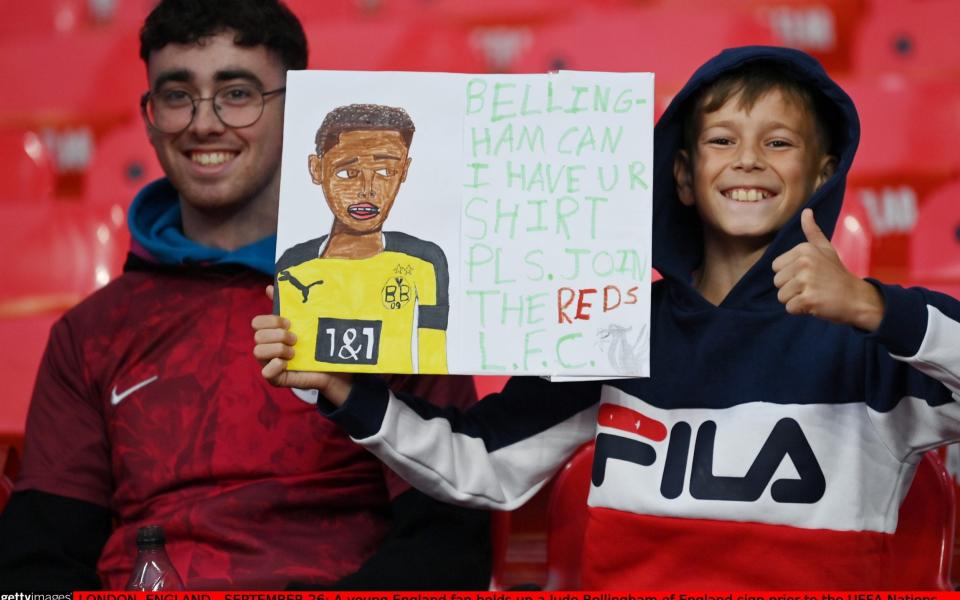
x=752 y=81
x=362 y=117
x=266 y=23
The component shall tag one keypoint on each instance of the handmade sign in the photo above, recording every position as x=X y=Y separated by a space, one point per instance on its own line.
x=477 y=224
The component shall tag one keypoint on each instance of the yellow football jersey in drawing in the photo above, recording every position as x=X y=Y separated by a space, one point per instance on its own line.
x=360 y=315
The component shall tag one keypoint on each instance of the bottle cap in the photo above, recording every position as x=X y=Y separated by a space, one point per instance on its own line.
x=150 y=536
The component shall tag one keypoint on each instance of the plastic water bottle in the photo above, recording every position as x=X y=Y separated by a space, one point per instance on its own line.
x=153 y=571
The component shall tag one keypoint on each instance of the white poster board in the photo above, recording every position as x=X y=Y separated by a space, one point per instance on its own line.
x=532 y=193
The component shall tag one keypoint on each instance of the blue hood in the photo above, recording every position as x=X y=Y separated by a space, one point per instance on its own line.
x=157 y=230
x=677 y=237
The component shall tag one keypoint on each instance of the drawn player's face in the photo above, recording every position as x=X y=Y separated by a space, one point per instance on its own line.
x=361 y=176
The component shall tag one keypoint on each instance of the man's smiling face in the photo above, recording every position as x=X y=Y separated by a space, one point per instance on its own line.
x=215 y=167
x=361 y=176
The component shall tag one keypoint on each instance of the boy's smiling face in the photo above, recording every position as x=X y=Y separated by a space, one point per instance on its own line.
x=751 y=170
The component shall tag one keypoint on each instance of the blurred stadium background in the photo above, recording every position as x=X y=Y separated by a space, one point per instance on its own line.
x=73 y=150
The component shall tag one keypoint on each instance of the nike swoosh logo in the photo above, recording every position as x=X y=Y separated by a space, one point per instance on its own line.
x=116 y=398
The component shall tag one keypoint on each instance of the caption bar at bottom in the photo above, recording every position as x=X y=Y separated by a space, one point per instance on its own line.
x=520 y=595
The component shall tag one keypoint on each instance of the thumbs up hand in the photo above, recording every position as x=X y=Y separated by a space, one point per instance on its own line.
x=813 y=281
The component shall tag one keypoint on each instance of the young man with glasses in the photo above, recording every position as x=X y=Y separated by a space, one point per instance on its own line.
x=148 y=407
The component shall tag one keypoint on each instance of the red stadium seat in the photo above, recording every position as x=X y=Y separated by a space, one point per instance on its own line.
x=901 y=159
x=823 y=28
x=853 y=238
x=64 y=251
x=503 y=12
x=59 y=17
x=924 y=539
x=922 y=545
x=489 y=384
x=87 y=78
x=311 y=12
x=22 y=341
x=123 y=162
x=468 y=12
x=894 y=137
x=567 y=521
x=440 y=45
x=26 y=167
x=393 y=45
x=525 y=559
x=355 y=45
x=46 y=17
x=909 y=36
x=118 y=15
x=935 y=243
x=634 y=40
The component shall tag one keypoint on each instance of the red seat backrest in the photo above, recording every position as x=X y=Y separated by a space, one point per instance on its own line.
x=26 y=167
x=902 y=159
x=903 y=35
x=824 y=28
x=633 y=39
x=853 y=238
x=65 y=250
x=87 y=78
x=123 y=162
x=62 y=17
x=489 y=384
x=333 y=44
x=924 y=539
x=567 y=521
x=935 y=243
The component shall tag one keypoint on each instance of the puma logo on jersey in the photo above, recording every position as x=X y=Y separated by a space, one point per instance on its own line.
x=304 y=289
x=786 y=439
x=116 y=398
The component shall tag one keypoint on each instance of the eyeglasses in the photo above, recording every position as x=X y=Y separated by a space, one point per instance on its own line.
x=172 y=111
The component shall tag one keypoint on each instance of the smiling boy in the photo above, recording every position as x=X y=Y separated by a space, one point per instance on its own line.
x=789 y=401
x=356 y=295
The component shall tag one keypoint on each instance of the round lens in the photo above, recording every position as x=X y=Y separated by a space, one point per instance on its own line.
x=239 y=105
x=169 y=115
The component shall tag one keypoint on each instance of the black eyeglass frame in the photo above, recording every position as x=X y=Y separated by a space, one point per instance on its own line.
x=145 y=98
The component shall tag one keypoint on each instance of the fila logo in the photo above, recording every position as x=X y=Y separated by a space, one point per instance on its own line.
x=785 y=440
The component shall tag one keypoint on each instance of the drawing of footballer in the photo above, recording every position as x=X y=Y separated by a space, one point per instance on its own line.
x=362 y=299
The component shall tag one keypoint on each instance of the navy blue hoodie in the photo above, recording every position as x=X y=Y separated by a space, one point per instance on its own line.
x=766 y=450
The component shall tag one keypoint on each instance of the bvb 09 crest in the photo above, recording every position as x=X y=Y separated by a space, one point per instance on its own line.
x=395 y=293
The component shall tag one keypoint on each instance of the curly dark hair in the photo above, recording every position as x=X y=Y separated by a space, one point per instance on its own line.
x=256 y=22
x=362 y=117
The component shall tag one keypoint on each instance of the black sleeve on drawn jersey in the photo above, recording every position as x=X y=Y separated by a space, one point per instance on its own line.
x=51 y=543
x=432 y=546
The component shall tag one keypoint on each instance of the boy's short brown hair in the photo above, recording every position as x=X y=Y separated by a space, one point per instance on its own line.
x=751 y=82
